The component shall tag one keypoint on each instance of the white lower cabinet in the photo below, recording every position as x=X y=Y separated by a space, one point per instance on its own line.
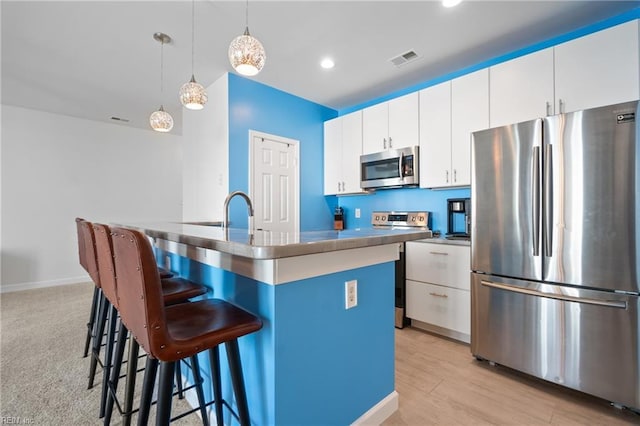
x=441 y=306
x=438 y=288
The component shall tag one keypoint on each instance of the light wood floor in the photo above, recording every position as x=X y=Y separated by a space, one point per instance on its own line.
x=441 y=383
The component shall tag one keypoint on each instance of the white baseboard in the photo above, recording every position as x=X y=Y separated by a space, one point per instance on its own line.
x=379 y=412
x=9 y=288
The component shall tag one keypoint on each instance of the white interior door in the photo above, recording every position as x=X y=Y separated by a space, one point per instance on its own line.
x=274 y=182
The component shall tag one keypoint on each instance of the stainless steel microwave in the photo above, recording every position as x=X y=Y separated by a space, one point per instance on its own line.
x=390 y=168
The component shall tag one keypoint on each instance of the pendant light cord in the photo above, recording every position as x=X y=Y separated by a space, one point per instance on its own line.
x=247 y=14
x=161 y=68
x=193 y=43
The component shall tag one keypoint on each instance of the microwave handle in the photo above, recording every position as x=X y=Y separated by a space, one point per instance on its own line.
x=400 y=168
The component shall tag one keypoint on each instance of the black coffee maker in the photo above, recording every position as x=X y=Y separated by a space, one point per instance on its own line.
x=459 y=218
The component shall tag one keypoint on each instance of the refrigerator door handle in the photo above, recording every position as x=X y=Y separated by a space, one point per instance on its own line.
x=535 y=201
x=548 y=200
x=562 y=297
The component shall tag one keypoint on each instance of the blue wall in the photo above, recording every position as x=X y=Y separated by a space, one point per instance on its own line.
x=254 y=106
x=412 y=199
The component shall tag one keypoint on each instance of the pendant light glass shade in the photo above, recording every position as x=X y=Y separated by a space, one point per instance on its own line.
x=193 y=95
x=161 y=120
x=246 y=54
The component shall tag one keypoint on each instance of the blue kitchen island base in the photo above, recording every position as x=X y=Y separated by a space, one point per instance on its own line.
x=314 y=362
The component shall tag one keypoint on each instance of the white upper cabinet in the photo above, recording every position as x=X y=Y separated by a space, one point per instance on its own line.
x=351 y=152
x=449 y=112
x=332 y=156
x=521 y=89
x=469 y=113
x=391 y=124
x=342 y=150
x=435 y=135
x=599 y=69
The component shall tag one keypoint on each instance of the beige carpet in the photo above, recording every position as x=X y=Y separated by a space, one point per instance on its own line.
x=43 y=377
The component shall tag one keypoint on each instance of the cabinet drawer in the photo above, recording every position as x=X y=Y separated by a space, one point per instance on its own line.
x=444 y=307
x=440 y=264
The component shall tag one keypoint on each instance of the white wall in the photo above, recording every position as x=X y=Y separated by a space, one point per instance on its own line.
x=56 y=168
x=206 y=155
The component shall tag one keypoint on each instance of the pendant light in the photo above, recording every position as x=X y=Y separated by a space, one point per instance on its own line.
x=192 y=94
x=246 y=53
x=161 y=120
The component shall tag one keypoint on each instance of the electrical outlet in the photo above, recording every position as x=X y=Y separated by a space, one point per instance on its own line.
x=350 y=294
x=357 y=213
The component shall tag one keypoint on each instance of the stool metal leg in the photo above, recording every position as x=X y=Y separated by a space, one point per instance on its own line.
x=108 y=358
x=148 y=383
x=235 y=368
x=97 y=340
x=214 y=359
x=92 y=320
x=115 y=372
x=179 y=380
x=132 y=369
x=165 y=392
x=197 y=378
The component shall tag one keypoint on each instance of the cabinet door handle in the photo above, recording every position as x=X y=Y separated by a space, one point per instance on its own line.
x=440 y=253
x=444 y=296
x=548 y=108
x=455 y=175
x=343 y=187
x=560 y=106
x=384 y=143
x=447 y=176
x=390 y=143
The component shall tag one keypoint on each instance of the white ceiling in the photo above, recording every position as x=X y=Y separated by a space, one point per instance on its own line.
x=97 y=59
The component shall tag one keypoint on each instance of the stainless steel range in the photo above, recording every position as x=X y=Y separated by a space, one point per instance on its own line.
x=400 y=220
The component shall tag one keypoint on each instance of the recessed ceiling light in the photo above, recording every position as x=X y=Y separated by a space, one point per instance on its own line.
x=450 y=3
x=327 y=63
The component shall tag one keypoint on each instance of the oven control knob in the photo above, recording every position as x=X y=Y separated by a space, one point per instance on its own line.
x=421 y=218
x=413 y=219
x=377 y=218
x=384 y=218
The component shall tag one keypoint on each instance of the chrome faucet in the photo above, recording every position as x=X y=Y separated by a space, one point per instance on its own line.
x=225 y=219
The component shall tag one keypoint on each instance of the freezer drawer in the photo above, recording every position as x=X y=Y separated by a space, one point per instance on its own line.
x=583 y=339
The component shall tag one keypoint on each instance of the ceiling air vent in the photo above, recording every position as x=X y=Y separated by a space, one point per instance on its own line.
x=404 y=59
x=124 y=120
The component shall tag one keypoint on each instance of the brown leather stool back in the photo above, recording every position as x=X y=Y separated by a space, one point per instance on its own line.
x=140 y=293
x=87 y=250
x=106 y=269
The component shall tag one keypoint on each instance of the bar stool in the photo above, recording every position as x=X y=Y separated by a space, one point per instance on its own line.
x=87 y=257
x=174 y=290
x=172 y=333
x=97 y=316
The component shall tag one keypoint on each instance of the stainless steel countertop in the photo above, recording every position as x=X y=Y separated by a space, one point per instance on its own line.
x=274 y=245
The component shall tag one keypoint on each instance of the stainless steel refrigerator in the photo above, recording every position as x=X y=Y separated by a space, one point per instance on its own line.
x=555 y=239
